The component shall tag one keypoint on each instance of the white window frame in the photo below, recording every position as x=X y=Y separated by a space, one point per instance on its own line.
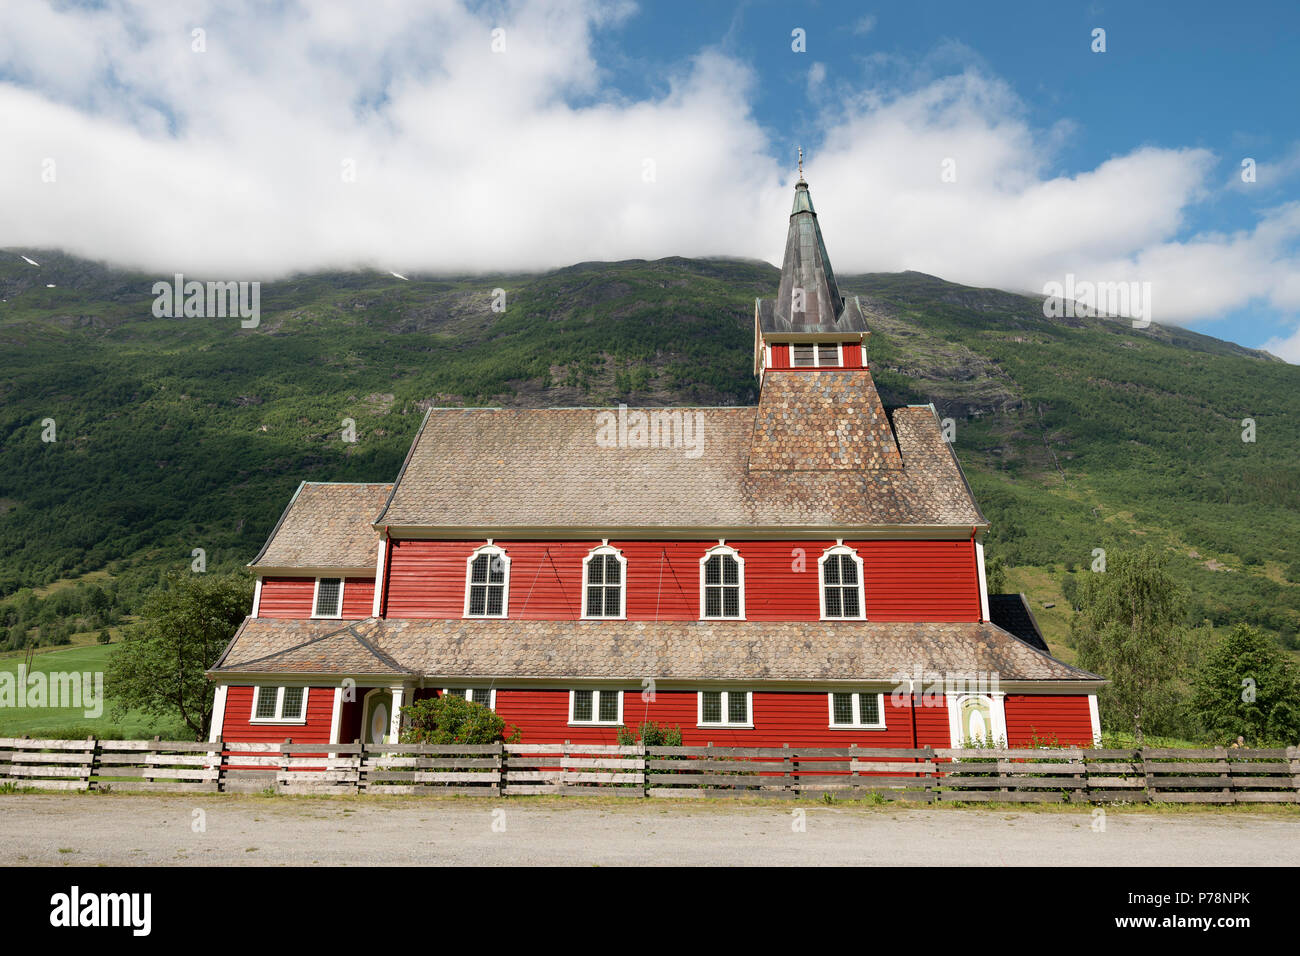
x=726 y=709
x=494 y=551
x=740 y=571
x=279 y=717
x=857 y=722
x=603 y=550
x=819 y=349
x=491 y=692
x=821 y=582
x=596 y=694
x=315 y=595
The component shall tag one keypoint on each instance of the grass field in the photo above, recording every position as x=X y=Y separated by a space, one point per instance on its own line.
x=70 y=722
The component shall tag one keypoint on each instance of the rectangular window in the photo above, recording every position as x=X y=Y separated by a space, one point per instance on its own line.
x=475 y=695
x=862 y=710
x=596 y=707
x=815 y=355
x=279 y=704
x=733 y=705
x=329 y=597
x=604 y=586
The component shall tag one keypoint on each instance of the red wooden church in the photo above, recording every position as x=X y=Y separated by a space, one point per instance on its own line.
x=807 y=571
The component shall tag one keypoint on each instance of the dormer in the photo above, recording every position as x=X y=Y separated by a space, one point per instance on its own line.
x=809 y=324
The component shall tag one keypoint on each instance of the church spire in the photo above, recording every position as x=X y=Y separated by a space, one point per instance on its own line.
x=809 y=296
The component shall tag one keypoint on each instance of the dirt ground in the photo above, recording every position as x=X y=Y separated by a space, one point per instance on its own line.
x=88 y=829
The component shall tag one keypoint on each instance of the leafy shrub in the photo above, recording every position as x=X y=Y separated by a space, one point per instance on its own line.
x=651 y=734
x=453 y=720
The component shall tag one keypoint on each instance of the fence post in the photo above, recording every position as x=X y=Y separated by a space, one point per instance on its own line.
x=645 y=769
x=929 y=774
x=1148 y=778
x=93 y=763
x=217 y=753
x=854 y=773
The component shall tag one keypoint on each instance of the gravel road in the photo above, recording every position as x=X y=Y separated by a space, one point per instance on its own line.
x=59 y=829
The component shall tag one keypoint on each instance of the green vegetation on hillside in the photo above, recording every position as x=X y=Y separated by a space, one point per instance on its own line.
x=177 y=434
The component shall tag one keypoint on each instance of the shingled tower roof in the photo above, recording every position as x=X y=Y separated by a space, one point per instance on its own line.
x=807 y=267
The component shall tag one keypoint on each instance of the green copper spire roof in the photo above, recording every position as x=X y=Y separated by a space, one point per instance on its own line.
x=808 y=299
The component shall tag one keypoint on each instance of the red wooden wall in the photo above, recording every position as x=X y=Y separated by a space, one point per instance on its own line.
x=238 y=727
x=851 y=354
x=797 y=718
x=1051 y=718
x=291 y=597
x=905 y=580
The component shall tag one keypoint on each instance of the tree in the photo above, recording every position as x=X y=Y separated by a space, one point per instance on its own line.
x=1129 y=630
x=995 y=576
x=1247 y=688
x=160 y=664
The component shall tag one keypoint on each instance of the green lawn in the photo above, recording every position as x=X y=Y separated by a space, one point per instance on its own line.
x=71 y=722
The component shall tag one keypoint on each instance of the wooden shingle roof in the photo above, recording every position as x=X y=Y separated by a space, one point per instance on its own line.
x=634 y=650
x=833 y=463
x=326 y=525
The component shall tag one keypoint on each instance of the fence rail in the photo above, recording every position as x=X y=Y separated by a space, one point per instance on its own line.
x=925 y=774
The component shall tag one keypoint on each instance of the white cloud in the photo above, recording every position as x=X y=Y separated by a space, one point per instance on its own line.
x=230 y=161
x=1285 y=348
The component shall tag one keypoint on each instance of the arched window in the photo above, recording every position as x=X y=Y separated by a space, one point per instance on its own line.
x=722 y=584
x=487 y=583
x=840 y=573
x=603 y=583
x=977 y=720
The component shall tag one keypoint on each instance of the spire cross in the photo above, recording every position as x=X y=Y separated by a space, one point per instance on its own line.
x=801 y=162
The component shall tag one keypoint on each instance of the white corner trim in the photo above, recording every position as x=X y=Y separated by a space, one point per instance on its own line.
x=257 y=597
x=984 y=584
x=219 y=711
x=379 y=578
x=395 y=718
x=1095 y=716
x=337 y=716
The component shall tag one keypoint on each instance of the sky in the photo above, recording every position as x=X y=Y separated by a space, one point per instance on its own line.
x=990 y=144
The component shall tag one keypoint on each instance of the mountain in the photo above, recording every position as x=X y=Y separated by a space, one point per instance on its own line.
x=182 y=433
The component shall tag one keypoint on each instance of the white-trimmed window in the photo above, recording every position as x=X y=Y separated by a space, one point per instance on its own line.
x=327 y=599
x=279 y=705
x=840 y=577
x=722 y=584
x=487 y=696
x=487 y=583
x=603 y=583
x=865 y=710
x=597 y=707
x=816 y=355
x=725 y=708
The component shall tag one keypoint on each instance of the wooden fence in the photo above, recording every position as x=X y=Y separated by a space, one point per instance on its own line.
x=1152 y=775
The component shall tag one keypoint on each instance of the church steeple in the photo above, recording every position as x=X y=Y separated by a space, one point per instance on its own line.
x=808 y=296
x=809 y=314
